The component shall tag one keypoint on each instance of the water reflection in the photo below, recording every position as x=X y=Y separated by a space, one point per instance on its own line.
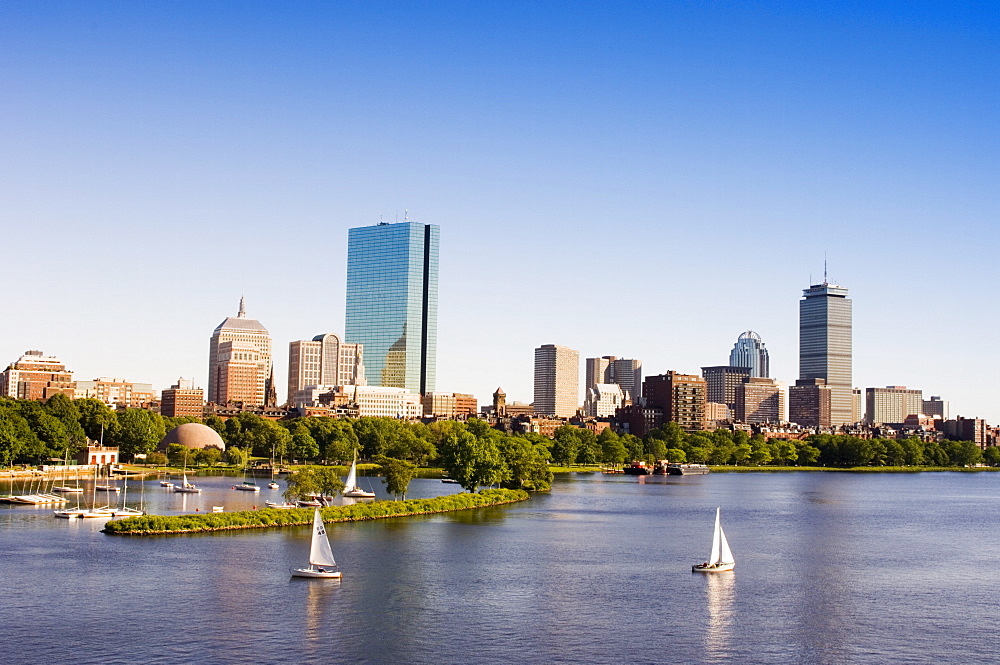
x=720 y=594
x=319 y=598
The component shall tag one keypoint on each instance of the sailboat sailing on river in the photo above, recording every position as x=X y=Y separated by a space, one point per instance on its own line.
x=721 y=558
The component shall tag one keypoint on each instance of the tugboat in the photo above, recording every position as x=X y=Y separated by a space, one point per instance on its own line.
x=637 y=469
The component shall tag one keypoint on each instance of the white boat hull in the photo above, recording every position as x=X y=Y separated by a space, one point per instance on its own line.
x=314 y=572
x=713 y=567
x=358 y=493
x=187 y=490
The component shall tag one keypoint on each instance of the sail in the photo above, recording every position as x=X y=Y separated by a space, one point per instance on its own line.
x=352 y=475
x=320 y=553
x=716 y=541
x=726 y=555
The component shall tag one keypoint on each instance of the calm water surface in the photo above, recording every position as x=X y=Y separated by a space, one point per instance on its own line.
x=832 y=568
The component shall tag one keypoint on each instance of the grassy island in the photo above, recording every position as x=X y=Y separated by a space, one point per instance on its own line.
x=148 y=525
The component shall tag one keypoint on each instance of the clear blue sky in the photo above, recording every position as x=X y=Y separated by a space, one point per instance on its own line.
x=638 y=179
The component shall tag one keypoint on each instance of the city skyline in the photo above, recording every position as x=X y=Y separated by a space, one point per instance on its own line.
x=183 y=178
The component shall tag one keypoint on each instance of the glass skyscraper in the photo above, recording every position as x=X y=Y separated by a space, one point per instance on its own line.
x=749 y=351
x=392 y=289
x=825 y=346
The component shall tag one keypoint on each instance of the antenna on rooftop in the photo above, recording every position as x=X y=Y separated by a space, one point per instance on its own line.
x=824 y=269
x=406 y=215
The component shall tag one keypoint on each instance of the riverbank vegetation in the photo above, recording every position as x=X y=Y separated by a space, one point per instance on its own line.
x=146 y=525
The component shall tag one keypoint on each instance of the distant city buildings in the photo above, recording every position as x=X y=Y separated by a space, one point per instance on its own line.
x=239 y=362
x=36 y=376
x=557 y=381
x=935 y=406
x=809 y=403
x=182 y=399
x=722 y=382
x=375 y=401
x=449 y=405
x=625 y=372
x=680 y=397
x=760 y=400
x=324 y=361
x=892 y=404
x=603 y=400
x=749 y=352
x=116 y=392
x=825 y=348
x=392 y=294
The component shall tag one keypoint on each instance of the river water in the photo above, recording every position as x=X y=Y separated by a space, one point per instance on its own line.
x=831 y=568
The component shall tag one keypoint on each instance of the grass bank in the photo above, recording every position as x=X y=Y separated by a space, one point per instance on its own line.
x=148 y=525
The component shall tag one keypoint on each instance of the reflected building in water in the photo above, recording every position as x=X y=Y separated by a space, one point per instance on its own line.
x=392 y=289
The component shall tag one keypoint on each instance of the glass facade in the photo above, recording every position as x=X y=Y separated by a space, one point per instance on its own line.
x=825 y=346
x=749 y=351
x=392 y=289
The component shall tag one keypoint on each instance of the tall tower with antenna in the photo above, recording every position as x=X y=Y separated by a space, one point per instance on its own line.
x=825 y=344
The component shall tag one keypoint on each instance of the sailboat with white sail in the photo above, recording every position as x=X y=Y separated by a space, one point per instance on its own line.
x=721 y=558
x=321 y=561
x=351 y=488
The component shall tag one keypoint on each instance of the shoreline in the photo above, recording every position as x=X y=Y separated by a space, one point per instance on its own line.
x=270 y=518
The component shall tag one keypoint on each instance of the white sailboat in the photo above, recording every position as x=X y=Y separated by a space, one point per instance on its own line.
x=351 y=488
x=125 y=511
x=721 y=558
x=321 y=561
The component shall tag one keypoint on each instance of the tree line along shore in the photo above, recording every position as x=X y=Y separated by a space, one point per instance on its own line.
x=472 y=452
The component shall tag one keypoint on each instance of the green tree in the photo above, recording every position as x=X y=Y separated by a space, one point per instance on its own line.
x=138 y=431
x=49 y=430
x=397 y=474
x=991 y=456
x=63 y=408
x=304 y=446
x=963 y=453
x=96 y=417
x=206 y=456
x=676 y=456
x=179 y=455
x=528 y=463
x=238 y=457
x=17 y=441
x=565 y=445
x=335 y=437
x=472 y=461
x=612 y=449
x=589 y=451
x=313 y=481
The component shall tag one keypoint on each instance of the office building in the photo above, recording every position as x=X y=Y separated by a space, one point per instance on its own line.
x=750 y=352
x=603 y=400
x=825 y=345
x=324 y=361
x=722 y=381
x=680 y=397
x=182 y=399
x=557 y=381
x=239 y=362
x=376 y=401
x=625 y=372
x=450 y=405
x=760 y=400
x=392 y=295
x=857 y=405
x=892 y=404
x=116 y=392
x=36 y=376
x=809 y=403
x=935 y=406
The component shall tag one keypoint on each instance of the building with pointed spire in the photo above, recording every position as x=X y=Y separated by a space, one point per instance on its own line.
x=239 y=362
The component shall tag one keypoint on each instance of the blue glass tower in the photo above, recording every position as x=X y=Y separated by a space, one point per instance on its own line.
x=392 y=288
x=749 y=351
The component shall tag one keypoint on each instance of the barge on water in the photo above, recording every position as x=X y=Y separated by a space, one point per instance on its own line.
x=687 y=469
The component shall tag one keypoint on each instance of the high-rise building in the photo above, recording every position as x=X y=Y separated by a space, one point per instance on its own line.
x=557 y=381
x=749 y=351
x=36 y=376
x=324 y=361
x=625 y=372
x=760 y=400
x=239 y=361
x=392 y=295
x=722 y=382
x=935 y=406
x=182 y=399
x=892 y=404
x=681 y=397
x=809 y=403
x=603 y=400
x=825 y=345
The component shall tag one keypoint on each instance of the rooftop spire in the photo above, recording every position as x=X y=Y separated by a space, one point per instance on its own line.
x=243 y=311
